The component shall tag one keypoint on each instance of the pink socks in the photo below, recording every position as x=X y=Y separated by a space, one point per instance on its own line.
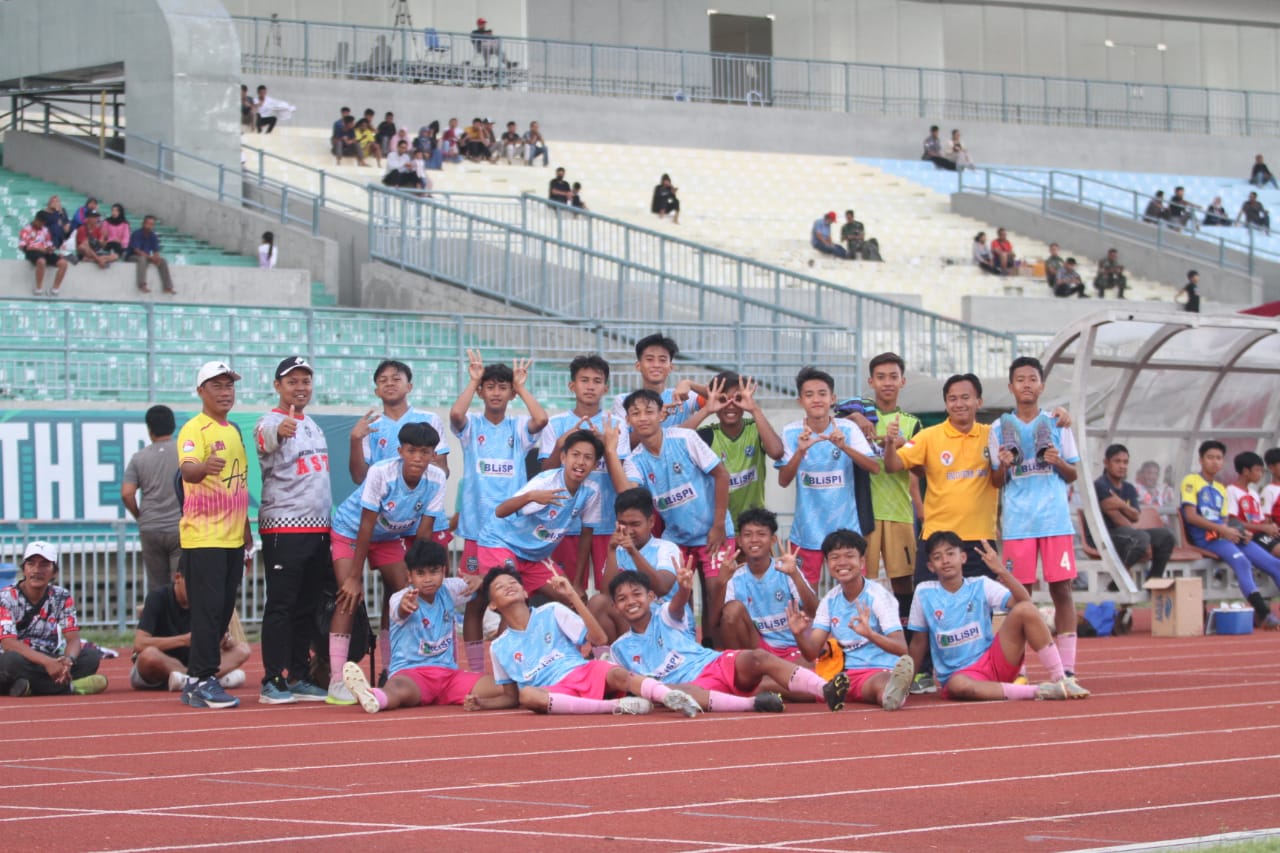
x=1019 y=691
x=653 y=690
x=381 y=697
x=1067 y=649
x=1052 y=661
x=339 y=645
x=806 y=681
x=559 y=703
x=725 y=702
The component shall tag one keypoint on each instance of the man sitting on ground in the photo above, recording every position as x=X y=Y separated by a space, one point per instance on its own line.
x=1260 y=176
x=820 y=236
x=89 y=242
x=1254 y=215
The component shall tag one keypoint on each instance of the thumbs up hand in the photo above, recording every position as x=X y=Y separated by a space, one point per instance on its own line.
x=288 y=427
x=214 y=464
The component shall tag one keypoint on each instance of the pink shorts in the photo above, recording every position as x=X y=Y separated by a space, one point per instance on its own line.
x=858 y=679
x=992 y=666
x=790 y=654
x=443 y=537
x=533 y=576
x=586 y=681
x=440 y=685
x=1057 y=556
x=722 y=675
x=380 y=553
x=810 y=563
x=706 y=560
x=566 y=554
x=470 y=564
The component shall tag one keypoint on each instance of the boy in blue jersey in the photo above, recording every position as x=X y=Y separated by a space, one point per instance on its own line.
x=402 y=498
x=863 y=618
x=951 y=618
x=589 y=383
x=655 y=359
x=373 y=438
x=1033 y=460
x=657 y=644
x=494 y=447
x=820 y=453
x=634 y=548
x=541 y=654
x=424 y=670
x=754 y=614
x=690 y=486
x=1204 y=509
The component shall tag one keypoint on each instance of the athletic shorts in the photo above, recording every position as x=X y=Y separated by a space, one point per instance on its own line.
x=992 y=666
x=586 y=681
x=1057 y=556
x=442 y=537
x=533 y=575
x=790 y=654
x=380 y=553
x=722 y=675
x=704 y=559
x=858 y=679
x=566 y=554
x=137 y=682
x=895 y=541
x=470 y=564
x=810 y=563
x=1266 y=541
x=440 y=685
x=34 y=255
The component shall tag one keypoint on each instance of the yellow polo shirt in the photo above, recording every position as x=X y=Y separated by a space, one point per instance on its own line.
x=957 y=468
x=215 y=509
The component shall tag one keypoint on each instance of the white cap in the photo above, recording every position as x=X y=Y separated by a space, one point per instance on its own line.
x=41 y=548
x=211 y=369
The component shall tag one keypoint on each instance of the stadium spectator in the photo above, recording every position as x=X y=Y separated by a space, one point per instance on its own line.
x=387 y=133
x=1110 y=274
x=449 y=141
x=1002 y=253
x=115 y=231
x=420 y=167
x=854 y=236
x=267 y=252
x=1215 y=213
x=1052 y=264
x=400 y=169
x=559 y=189
x=665 y=201
x=534 y=145
x=1154 y=213
x=345 y=143
x=58 y=223
x=40 y=649
x=1121 y=510
x=1244 y=503
x=89 y=242
x=90 y=206
x=982 y=254
x=269 y=110
x=1179 y=214
x=820 y=235
x=1068 y=281
x=1260 y=175
x=1189 y=295
x=575 y=196
x=150 y=474
x=338 y=136
x=144 y=250
x=960 y=154
x=367 y=141
x=484 y=41
x=1151 y=492
x=1255 y=215
x=34 y=242
x=933 y=151
x=492 y=148
x=247 y=107
x=473 y=145
x=512 y=143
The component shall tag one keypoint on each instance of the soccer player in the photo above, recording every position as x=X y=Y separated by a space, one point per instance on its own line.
x=217 y=542
x=655 y=359
x=1245 y=506
x=1034 y=461
x=494 y=447
x=374 y=437
x=1204 y=503
x=951 y=617
x=401 y=498
x=690 y=488
x=424 y=670
x=820 y=457
x=540 y=652
x=754 y=614
x=1271 y=492
x=863 y=619
x=741 y=444
x=658 y=645
x=293 y=521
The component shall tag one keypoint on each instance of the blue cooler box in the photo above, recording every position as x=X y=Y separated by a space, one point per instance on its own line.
x=1228 y=621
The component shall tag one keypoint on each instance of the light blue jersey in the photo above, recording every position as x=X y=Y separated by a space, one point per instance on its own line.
x=400 y=508
x=384 y=442
x=661 y=555
x=544 y=653
x=493 y=467
x=765 y=598
x=824 y=483
x=665 y=651
x=569 y=422
x=679 y=477
x=534 y=531
x=836 y=613
x=676 y=416
x=958 y=623
x=1034 y=501
x=425 y=637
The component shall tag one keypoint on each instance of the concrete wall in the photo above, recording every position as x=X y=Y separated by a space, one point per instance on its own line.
x=279 y=288
x=1049 y=315
x=385 y=287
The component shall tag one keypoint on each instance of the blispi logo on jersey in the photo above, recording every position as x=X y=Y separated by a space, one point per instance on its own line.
x=497 y=468
x=670 y=664
x=542 y=534
x=946 y=457
x=742 y=478
x=823 y=479
x=547 y=659
x=966 y=633
x=676 y=497
x=431 y=648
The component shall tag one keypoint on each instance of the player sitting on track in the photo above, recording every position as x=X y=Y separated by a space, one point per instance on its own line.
x=401 y=497
x=660 y=646
x=541 y=653
x=754 y=615
x=163 y=641
x=424 y=670
x=951 y=616
x=862 y=617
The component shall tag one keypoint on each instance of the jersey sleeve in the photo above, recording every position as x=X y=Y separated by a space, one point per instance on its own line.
x=458 y=590
x=547 y=439
x=152 y=607
x=993 y=445
x=366 y=443
x=265 y=435
x=855 y=439
x=526 y=439
x=913 y=453
x=789 y=437
x=375 y=488
x=442 y=449
x=793 y=590
x=499 y=673
x=131 y=470
x=591 y=507
x=1190 y=490
x=668 y=557
x=1233 y=501
x=8 y=625
x=915 y=619
x=702 y=455
x=435 y=504
x=822 y=616
x=885 y=608
x=191 y=446
x=731 y=589
x=571 y=624
x=393 y=604
x=632 y=471
x=619 y=414
x=997 y=594
x=464 y=434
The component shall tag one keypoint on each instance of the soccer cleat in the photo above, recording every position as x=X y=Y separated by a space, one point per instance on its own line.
x=899 y=686
x=306 y=691
x=339 y=694
x=769 y=703
x=678 y=700
x=632 y=705
x=353 y=679
x=89 y=685
x=1074 y=689
x=233 y=679
x=177 y=681
x=1009 y=439
x=209 y=694
x=924 y=683
x=1042 y=435
x=20 y=687
x=1271 y=623
x=276 y=692
x=835 y=690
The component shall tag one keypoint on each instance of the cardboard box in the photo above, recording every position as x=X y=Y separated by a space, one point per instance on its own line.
x=1177 y=607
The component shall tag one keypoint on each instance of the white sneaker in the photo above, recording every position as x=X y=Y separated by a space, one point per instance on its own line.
x=353 y=679
x=678 y=700
x=233 y=679
x=177 y=681
x=492 y=624
x=634 y=705
x=339 y=694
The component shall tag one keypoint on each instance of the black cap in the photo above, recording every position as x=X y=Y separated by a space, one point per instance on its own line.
x=290 y=364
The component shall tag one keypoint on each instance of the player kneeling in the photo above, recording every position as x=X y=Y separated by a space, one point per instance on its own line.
x=863 y=619
x=952 y=618
x=424 y=669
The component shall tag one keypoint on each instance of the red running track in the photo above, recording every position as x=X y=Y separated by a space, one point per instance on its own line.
x=1179 y=739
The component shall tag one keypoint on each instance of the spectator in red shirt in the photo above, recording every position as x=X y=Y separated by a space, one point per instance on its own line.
x=34 y=242
x=91 y=243
x=1002 y=253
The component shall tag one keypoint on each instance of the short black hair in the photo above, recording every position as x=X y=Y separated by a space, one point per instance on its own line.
x=843 y=538
x=41 y=217
x=729 y=378
x=580 y=436
x=932 y=128
x=808 y=374
x=426 y=554
x=1244 y=461
x=498 y=373
x=160 y=420
x=961 y=377
x=638 y=498
x=761 y=516
x=1210 y=444
x=887 y=358
x=629 y=576
x=1272 y=456
x=400 y=367
x=1114 y=450
x=657 y=339
x=419 y=435
x=643 y=394
x=590 y=361
x=1026 y=361
x=940 y=538
x=506 y=569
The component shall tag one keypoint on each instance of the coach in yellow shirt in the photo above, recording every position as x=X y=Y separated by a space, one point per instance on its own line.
x=215 y=534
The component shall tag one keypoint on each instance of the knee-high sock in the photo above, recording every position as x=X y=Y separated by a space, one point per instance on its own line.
x=558 y=703
x=1052 y=661
x=653 y=690
x=1019 y=691
x=381 y=697
x=1067 y=650
x=806 y=681
x=339 y=645
x=718 y=701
